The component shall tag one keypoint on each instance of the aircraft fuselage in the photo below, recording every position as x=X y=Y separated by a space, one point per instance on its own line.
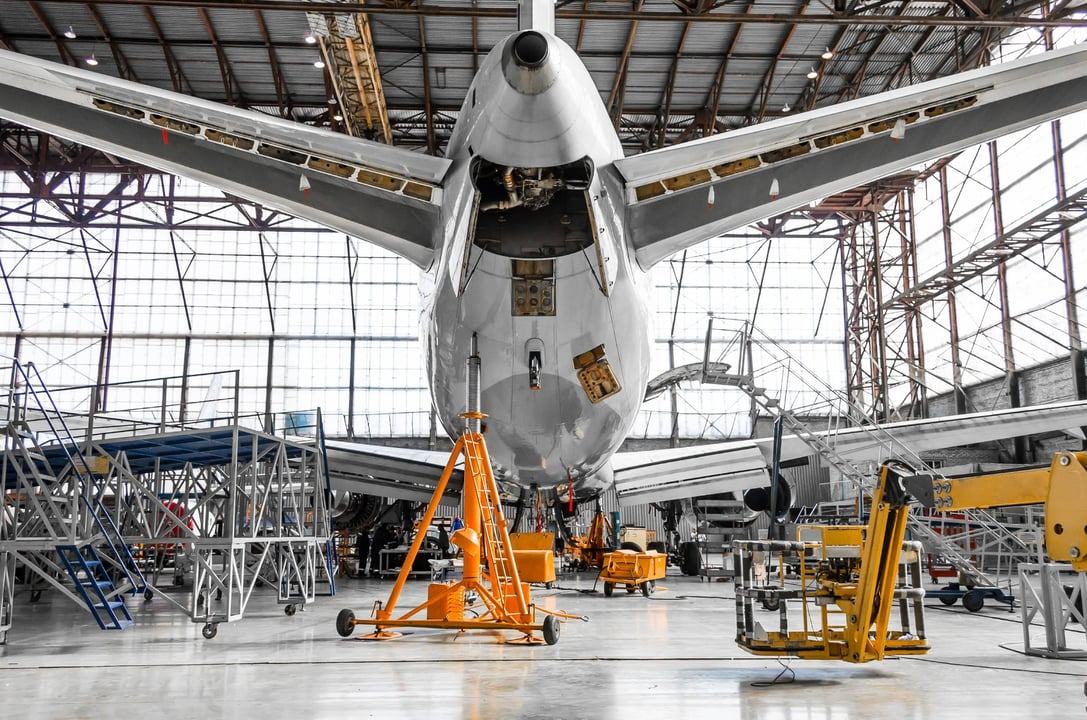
x=534 y=262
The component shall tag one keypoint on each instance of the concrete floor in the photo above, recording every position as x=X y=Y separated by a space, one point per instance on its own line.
x=669 y=656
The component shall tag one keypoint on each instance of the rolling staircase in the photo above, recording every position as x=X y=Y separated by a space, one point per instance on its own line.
x=822 y=445
x=63 y=520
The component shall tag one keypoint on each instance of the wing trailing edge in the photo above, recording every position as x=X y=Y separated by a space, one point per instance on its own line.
x=385 y=195
x=681 y=195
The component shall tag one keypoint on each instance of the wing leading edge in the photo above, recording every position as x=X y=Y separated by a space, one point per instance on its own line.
x=677 y=473
x=385 y=195
x=819 y=153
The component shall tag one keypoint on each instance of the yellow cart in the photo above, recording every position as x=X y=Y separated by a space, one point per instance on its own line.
x=633 y=569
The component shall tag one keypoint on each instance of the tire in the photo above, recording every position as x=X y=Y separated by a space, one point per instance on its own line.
x=148 y=594
x=656 y=546
x=646 y=589
x=551 y=629
x=771 y=603
x=973 y=601
x=631 y=589
x=345 y=622
x=947 y=599
x=690 y=558
x=289 y=610
x=210 y=630
x=631 y=546
x=609 y=588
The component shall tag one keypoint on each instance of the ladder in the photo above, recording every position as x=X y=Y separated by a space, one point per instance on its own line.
x=94 y=585
x=821 y=446
x=496 y=547
x=103 y=531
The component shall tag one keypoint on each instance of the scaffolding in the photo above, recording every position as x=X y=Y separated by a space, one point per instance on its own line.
x=231 y=506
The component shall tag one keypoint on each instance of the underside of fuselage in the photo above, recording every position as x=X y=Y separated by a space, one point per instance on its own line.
x=537 y=269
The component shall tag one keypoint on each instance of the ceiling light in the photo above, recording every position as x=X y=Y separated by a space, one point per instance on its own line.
x=338 y=117
x=70 y=33
x=311 y=39
x=320 y=64
x=827 y=54
x=91 y=60
x=812 y=74
x=785 y=108
x=332 y=101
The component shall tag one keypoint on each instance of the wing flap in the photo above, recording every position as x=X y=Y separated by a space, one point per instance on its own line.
x=677 y=473
x=393 y=472
x=385 y=195
x=659 y=475
x=774 y=167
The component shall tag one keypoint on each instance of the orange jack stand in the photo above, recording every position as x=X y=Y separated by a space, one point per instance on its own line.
x=487 y=554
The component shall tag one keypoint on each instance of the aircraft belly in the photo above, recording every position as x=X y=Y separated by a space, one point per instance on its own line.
x=542 y=436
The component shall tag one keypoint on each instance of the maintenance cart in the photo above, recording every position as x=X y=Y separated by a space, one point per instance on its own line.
x=633 y=569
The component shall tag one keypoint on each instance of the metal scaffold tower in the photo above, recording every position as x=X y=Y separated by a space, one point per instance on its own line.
x=802 y=395
x=229 y=506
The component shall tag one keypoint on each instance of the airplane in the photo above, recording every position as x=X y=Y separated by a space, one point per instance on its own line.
x=535 y=234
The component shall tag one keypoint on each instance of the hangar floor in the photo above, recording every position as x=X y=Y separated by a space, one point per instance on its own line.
x=668 y=656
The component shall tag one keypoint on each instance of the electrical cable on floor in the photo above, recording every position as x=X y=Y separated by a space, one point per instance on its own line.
x=778 y=678
x=980 y=666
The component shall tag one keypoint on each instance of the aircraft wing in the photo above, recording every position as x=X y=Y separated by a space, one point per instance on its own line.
x=774 y=167
x=394 y=472
x=385 y=195
x=677 y=473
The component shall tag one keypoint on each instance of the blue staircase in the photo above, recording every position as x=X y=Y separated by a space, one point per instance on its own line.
x=87 y=568
x=94 y=585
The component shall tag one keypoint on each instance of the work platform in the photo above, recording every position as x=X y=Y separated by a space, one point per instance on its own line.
x=227 y=507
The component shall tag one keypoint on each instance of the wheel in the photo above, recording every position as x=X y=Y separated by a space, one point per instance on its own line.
x=148 y=594
x=551 y=629
x=656 y=546
x=345 y=622
x=210 y=630
x=630 y=546
x=973 y=601
x=947 y=599
x=690 y=558
x=289 y=610
x=771 y=603
x=549 y=585
x=631 y=589
x=646 y=589
x=609 y=588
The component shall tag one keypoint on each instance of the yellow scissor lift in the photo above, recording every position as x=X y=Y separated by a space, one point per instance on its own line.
x=854 y=575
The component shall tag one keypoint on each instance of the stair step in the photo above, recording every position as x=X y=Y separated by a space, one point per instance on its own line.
x=112 y=605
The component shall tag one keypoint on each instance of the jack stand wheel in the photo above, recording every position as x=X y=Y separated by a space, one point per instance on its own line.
x=148 y=594
x=345 y=622
x=289 y=610
x=210 y=630
x=551 y=628
x=609 y=588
